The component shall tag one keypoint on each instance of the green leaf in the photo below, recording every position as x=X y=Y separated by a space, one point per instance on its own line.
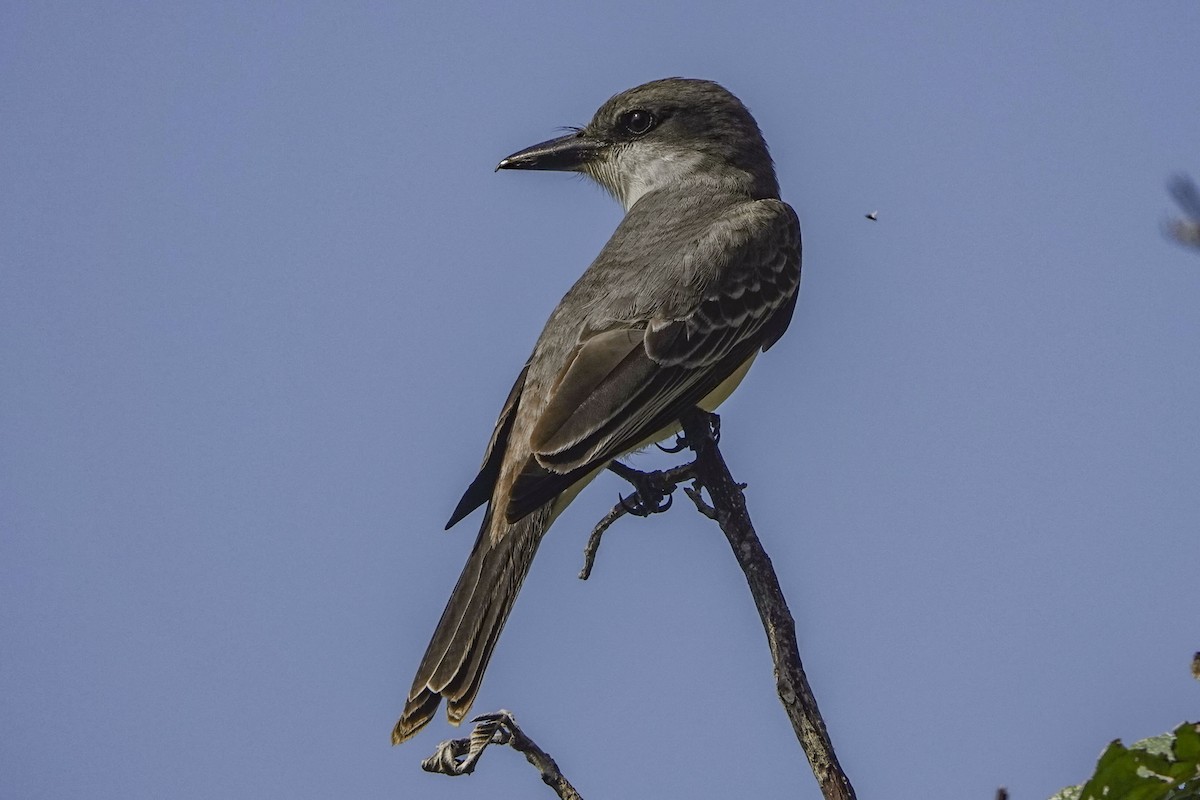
x=1160 y=768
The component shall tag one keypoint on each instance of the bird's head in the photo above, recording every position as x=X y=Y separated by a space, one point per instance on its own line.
x=675 y=131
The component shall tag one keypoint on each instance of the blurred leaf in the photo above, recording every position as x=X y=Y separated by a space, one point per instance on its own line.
x=1185 y=231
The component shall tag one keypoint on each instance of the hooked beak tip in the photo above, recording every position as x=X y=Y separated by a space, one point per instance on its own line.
x=565 y=154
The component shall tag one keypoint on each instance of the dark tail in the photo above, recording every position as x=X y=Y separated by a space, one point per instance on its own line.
x=466 y=634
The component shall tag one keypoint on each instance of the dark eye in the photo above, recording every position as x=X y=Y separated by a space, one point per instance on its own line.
x=638 y=121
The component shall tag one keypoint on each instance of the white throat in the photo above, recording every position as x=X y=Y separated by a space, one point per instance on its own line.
x=641 y=169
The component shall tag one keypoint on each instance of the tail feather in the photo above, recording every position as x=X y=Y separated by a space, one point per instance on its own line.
x=485 y=614
x=454 y=676
x=451 y=621
x=469 y=627
x=461 y=695
x=418 y=711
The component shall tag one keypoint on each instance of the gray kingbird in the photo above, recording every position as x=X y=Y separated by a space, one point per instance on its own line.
x=698 y=278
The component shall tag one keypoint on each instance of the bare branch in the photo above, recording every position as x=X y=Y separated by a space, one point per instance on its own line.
x=459 y=756
x=728 y=508
x=593 y=544
x=794 y=691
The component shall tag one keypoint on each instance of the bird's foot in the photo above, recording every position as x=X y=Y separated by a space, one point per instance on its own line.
x=654 y=490
x=681 y=442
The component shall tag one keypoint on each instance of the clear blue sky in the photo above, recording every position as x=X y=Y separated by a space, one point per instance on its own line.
x=261 y=297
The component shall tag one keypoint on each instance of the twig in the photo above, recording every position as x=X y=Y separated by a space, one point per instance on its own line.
x=593 y=544
x=652 y=488
x=697 y=497
x=729 y=505
x=459 y=756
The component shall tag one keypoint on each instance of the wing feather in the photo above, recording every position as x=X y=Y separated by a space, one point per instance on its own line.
x=630 y=381
x=480 y=490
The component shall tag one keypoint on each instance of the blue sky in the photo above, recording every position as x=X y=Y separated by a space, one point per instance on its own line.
x=261 y=297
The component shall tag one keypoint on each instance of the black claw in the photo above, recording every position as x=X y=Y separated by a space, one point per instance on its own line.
x=679 y=446
x=633 y=505
x=637 y=505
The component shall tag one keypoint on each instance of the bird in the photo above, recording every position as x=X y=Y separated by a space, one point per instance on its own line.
x=874 y=215
x=699 y=277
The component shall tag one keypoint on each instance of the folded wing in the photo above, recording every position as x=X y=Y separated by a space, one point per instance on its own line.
x=629 y=381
